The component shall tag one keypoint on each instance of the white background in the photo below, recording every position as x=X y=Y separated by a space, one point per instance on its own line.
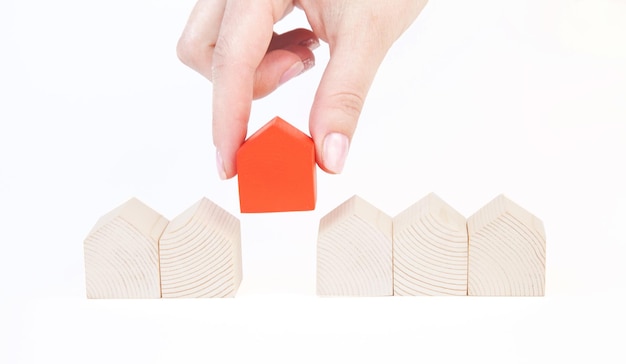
x=478 y=98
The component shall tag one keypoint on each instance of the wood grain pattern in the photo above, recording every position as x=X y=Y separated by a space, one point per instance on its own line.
x=200 y=253
x=354 y=251
x=121 y=253
x=507 y=251
x=430 y=250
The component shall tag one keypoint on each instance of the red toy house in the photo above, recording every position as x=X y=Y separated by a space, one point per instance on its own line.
x=276 y=168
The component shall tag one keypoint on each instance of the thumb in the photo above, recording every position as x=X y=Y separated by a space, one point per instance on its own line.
x=339 y=101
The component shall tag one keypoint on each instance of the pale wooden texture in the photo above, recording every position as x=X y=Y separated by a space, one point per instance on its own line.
x=354 y=251
x=507 y=251
x=121 y=253
x=430 y=250
x=200 y=253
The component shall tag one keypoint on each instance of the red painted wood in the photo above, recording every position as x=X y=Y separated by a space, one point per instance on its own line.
x=276 y=169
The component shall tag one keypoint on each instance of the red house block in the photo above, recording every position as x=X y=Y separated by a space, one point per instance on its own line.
x=276 y=168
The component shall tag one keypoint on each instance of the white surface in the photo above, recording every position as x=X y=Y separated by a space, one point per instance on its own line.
x=478 y=98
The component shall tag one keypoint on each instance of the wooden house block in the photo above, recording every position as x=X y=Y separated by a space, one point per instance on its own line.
x=121 y=253
x=200 y=253
x=430 y=250
x=354 y=251
x=507 y=251
x=276 y=170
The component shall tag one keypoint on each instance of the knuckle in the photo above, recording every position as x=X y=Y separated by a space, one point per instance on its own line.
x=350 y=103
x=223 y=49
x=187 y=50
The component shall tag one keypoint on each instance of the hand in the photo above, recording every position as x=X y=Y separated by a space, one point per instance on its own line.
x=231 y=42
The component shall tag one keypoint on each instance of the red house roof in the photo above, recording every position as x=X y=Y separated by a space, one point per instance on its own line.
x=276 y=168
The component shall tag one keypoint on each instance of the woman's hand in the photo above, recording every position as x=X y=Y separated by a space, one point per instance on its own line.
x=232 y=43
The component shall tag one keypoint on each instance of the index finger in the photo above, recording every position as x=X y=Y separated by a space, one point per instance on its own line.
x=244 y=36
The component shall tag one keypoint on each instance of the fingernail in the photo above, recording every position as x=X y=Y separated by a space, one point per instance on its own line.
x=335 y=151
x=310 y=43
x=308 y=63
x=220 y=165
x=295 y=69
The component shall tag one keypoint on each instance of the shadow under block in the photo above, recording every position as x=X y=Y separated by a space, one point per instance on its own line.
x=354 y=251
x=507 y=251
x=200 y=253
x=121 y=253
x=430 y=250
x=276 y=170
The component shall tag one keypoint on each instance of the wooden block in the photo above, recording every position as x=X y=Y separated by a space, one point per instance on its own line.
x=430 y=250
x=276 y=170
x=507 y=251
x=121 y=253
x=354 y=251
x=200 y=253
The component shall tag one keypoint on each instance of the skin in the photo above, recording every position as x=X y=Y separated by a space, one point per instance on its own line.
x=232 y=43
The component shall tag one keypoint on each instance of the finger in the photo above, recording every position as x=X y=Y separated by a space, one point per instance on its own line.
x=289 y=55
x=280 y=66
x=195 y=45
x=300 y=36
x=339 y=100
x=244 y=37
